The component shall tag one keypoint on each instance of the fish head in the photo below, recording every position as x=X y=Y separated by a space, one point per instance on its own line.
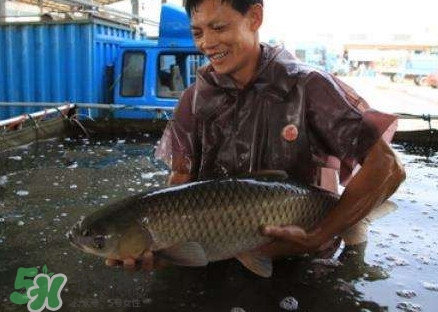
x=112 y=235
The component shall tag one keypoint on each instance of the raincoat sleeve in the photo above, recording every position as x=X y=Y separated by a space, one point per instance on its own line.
x=343 y=126
x=178 y=145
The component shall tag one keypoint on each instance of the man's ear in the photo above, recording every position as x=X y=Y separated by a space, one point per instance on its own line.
x=256 y=16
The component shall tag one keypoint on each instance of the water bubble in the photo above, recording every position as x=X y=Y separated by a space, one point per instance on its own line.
x=3 y=180
x=73 y=186
x=146 y=176
x=409 y=307
x=397 y=260
x=237 y=309
x=424 y=259
x=406 y=293
x=430 y=286
x=17 y=158
x=74 y=165
x=289 y=304
x=20 y=223
x=327 y=262
x=22 y=193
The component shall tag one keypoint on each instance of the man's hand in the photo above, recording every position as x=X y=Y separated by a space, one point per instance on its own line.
x=146 y=262
x=293 y=240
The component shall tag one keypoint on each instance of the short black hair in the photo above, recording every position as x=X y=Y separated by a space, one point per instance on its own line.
x=241 y=6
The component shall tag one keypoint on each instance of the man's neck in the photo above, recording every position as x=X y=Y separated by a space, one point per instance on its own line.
x=245 y=77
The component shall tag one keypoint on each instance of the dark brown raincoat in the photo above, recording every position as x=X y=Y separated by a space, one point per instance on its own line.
x=219 y=130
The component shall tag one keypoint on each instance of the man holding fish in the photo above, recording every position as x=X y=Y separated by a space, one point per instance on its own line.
x=255 y=108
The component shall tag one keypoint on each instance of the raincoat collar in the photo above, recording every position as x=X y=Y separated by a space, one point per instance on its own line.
x=212 y=88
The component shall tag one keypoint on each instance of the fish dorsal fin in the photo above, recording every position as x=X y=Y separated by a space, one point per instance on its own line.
x=266 y=174
x=256 y=263
x=184 y=254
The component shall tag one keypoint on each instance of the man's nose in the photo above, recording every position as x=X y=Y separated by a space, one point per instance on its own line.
x=209 y=41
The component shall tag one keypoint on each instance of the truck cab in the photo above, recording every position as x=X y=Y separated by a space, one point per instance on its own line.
x=151 y=74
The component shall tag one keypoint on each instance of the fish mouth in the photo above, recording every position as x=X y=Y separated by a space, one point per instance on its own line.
x=74 y=240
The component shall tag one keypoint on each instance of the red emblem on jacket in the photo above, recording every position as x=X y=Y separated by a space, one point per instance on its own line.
x=290 y=133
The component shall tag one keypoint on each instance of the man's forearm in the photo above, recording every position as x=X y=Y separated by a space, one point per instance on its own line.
x=376 y=181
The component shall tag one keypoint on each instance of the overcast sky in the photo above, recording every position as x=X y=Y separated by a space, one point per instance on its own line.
x=290 y=18
x=298 y=20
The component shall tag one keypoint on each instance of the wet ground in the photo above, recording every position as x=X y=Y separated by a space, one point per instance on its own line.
x=46 y=187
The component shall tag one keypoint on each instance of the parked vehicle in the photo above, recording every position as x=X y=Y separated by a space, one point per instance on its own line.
x=432 y=80
x=415 y=67
x=97 y=61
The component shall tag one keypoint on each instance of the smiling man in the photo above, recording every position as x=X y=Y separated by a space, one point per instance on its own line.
x=255 y=108
x=228 y=36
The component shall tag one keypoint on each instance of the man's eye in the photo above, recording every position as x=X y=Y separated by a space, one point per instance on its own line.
x=218 y=27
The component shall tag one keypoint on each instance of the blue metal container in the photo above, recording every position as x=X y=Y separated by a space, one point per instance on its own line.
x=56 y=61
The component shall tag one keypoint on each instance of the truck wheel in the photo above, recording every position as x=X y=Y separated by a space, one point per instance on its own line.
x=420 y=80
x=396 y=78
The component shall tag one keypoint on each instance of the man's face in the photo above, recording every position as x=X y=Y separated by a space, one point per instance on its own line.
x=227 y=37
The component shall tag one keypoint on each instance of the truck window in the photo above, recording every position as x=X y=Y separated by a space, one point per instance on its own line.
x=176 y=72
x=133 y=74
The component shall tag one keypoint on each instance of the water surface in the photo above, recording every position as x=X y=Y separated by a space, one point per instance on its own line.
x=47 y=186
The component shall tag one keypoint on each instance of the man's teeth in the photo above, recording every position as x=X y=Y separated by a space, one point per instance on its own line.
x=218 y=56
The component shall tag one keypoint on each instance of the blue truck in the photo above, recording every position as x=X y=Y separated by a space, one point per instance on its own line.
x=98 y=64
x=416 y=67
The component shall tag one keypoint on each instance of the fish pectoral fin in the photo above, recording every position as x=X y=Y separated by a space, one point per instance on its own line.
x=384 y=209
x=184 y=254
x=258 y=264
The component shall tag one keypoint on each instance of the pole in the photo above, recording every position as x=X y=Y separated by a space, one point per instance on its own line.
x=135 y=6
x=2 y=11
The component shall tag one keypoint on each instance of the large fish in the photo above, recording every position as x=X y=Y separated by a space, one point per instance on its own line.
x=195 y=223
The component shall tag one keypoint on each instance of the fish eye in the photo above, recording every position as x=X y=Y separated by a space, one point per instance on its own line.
x=99 y=241
x=85 y=232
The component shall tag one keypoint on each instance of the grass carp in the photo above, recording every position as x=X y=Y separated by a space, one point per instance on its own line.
x=196 y=223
